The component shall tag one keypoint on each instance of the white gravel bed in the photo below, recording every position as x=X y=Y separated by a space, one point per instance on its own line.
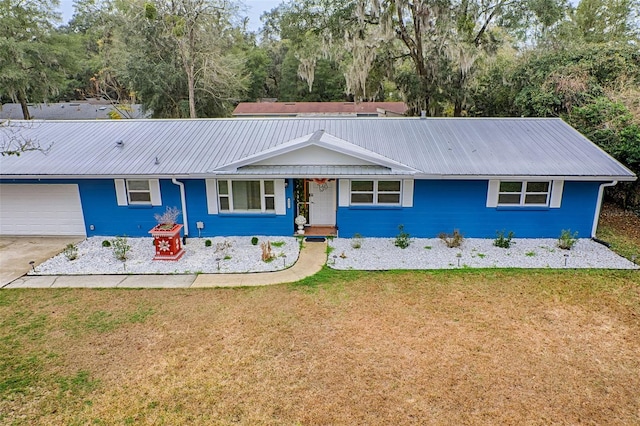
x=225 y=255
x=432 y=253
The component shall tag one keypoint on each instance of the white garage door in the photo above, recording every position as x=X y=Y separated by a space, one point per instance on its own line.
x=48 y=209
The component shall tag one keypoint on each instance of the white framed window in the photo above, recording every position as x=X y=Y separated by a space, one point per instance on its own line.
x=247 y=196
x=524 y=193
x=138 y=191
x=376 y=192
x=142 y=192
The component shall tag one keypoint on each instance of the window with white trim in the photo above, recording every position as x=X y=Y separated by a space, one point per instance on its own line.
x=376 y=192
x=524 y=193
x=246 y=196
x=138 y=191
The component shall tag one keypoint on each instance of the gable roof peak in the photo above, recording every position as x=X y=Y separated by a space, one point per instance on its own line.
x=324 y=140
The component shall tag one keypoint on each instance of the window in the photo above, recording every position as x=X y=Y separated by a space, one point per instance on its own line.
x=246 y=196
x=138 y=191
x=524 y=193
x=385 y=192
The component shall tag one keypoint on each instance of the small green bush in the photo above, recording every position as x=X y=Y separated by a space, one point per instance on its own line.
x=452 y=240
x=567 y=240
x=503 y=241
x=106 y=243
x=120 y=248
x=403 y=239
x=356 y=242
x=278 y=243
x=71 y=251
x=207 y=243
x=254 y=241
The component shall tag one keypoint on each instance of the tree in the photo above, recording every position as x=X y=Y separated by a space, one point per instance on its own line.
x=445 y=41
x=201 y=31
x=600 y=21
x=13 y=141
x=34 y=60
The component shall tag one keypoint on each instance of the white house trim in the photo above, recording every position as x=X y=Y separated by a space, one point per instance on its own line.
x=280 y=198
x=322 y=140
x=156 y=196
x=556 y=194
x=344 y=192
x=492 y=193
x=121 y=192
x=212 y=196
x=407 y=193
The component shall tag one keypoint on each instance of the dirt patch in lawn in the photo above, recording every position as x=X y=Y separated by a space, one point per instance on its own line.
x=624 y=221
x=620 y=228
x=489 y=347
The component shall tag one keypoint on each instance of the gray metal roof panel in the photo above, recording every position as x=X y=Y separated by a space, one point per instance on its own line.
x=433 y=146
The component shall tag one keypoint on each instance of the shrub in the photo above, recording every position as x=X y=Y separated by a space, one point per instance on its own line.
x=567 y=240
x=278 y=243
x=356 y=242
x=71 y=251
x=120 y=248
x=452 y=240
x=106 y=243
x=207 y=243
x=403 y=239
x=167 y=219
x=502 y=240
x=254 y=241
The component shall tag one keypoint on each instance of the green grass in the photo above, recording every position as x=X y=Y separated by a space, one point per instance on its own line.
x=76 y=385
x=49 y=359
x=620 y=243
x=26 y=322
x=278 y=243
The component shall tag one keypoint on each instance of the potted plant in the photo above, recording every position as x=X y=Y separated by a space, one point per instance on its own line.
x=166 y=235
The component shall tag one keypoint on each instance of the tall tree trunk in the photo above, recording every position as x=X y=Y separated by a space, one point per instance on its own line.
x=457 y=108
x=192 y=91
x=23 y=103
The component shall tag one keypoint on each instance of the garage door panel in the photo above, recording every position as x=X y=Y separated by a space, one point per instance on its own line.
x=47 y=209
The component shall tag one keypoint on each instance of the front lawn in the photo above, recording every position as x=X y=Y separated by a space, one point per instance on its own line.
x=342 y=347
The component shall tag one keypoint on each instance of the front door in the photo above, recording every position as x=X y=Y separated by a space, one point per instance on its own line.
x=322 y=203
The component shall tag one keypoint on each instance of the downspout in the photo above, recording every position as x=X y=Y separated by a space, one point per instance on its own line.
x=183 y=200
x=599 y=206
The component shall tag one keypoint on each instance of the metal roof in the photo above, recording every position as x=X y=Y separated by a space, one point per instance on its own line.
x=434 y=147
x=78 y=110
x=321 y=108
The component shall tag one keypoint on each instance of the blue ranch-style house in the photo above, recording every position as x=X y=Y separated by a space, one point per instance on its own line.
x=535 y=177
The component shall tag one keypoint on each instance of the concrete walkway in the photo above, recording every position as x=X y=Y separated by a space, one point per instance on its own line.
x=17 y=252
x=311 y=259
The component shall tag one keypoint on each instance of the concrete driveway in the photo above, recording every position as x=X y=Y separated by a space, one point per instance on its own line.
x=17 y=252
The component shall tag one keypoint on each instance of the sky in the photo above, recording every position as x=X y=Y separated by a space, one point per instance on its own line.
x=255 y=9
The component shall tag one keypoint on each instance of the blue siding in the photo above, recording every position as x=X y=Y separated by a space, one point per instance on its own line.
x=441 y=206
x=234 y=224
x=101 y=210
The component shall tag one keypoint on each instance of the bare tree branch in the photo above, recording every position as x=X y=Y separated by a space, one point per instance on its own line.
x=13 y=141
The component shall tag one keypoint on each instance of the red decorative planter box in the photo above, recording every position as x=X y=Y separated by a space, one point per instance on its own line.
x=167 y=242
